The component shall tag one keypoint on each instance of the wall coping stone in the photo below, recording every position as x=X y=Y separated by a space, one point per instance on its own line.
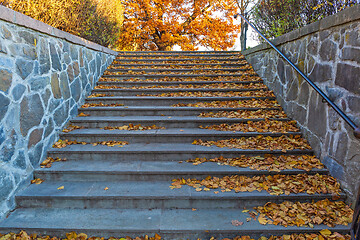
x=346 y=16
x=17 y=18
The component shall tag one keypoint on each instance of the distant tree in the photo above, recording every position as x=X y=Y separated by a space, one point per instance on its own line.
x=276 y=17
x=162 y=24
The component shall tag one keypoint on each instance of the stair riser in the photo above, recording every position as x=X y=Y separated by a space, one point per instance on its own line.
x=144 y=176
x=110 y=202
x=152 y=83
x=176 y=234
x=160 y=156
x=211 y=55
x=166 y=124
x=183 y=59
x=135 y=92
x=162 y=101
x=194 y=65
x=183 y=70
x=154 y=76
x=142 y=137
x=148 y=112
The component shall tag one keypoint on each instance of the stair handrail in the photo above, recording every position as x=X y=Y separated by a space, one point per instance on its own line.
x=312 y=84
x=355 y=226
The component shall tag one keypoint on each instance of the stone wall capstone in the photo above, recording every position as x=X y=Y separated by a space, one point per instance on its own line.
x=328 y=52
x=45 y=75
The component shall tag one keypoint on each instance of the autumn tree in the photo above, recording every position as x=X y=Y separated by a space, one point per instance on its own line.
x=162 y=24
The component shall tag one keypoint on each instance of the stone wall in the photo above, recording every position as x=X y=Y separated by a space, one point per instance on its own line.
x=328 y=52
x=45 y=74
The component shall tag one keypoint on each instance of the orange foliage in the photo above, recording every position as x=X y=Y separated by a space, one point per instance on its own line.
x=161 y=24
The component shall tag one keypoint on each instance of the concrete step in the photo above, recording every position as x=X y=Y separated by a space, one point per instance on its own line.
x=164 y=101
x=109 y=170
x=157 y=110
x=193 y=55
x=192 y=65
x=155 y=76
x=135 y=92
x=172 y=135
x=176 y=52
x=161 y=135
x=169 y=223
x=157 y=152
x=160 y=121
x=182 y=59
x=183 y=70
x=177 y=83
x=145 y=195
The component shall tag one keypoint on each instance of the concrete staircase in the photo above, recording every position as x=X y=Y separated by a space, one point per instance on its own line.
x=137 y=176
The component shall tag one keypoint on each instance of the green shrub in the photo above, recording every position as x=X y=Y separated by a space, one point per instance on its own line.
x=99 y=21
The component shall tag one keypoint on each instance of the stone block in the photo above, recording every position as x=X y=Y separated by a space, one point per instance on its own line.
x=321 y=73
x=304 y=93
x=76 y=89
x=5 y=80
x=24 y=67
x=354 y=103
x=70 y=73
x=64 y=85
x=352 y=38
x=18 y=91
x=31 y=113
x=281 y=70
x=317 y=116
x=345 y=77
x=76 y=69
x=67 y=58
x=29 y=52
x=35 y=137
x=49 y=128
x=6 y=184
x=74 y=53
x=2 y=135
x=45 y=97
x=39 y=83
x=55 y=86
x=61 y=114
x=335 y=169
x=55 y=60
x=299 y=113
x=44 y=57
x=334 y=94
x=341 y=146
x=351 y=54
x=3 y=48
x=20 y=161
x=6 y=33
x=35 y=156
x=328 y=50
x=4 y=105
x=292 y=91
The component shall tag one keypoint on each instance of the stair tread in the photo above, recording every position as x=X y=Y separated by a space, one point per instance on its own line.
x=168 y=132
x=164 y=147
x=158 y=167
x=144 y=190
x=164 y=118
x=143 y=220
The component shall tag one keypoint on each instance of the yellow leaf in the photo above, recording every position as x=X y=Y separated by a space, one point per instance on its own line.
x=325 y=232
x=106 y=188
x=61 y=188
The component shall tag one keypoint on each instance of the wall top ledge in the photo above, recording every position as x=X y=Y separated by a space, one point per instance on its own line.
x=346 y=16
x=20 y=19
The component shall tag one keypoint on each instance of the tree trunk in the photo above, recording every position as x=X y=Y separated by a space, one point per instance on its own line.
x=244 y=27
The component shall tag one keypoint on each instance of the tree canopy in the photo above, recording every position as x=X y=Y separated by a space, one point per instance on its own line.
x=162 y=24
